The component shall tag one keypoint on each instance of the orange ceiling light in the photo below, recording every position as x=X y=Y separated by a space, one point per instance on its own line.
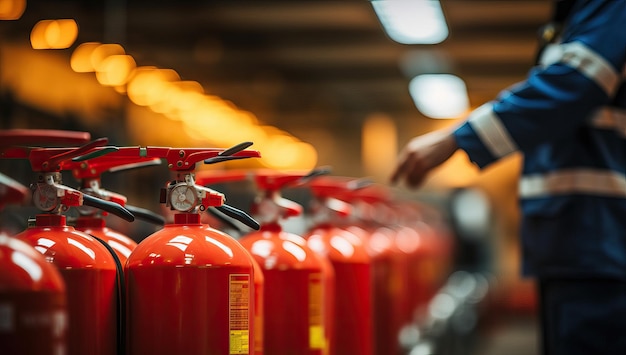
x=54 y=34
x=12 y=9
x=103 y=51
x=379 y=143
x=148 y=85
x=81 y=57
x=115 y=70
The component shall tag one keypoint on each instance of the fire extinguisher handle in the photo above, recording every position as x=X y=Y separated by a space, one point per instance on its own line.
x=146 y=215
x=52 y=163
x=239 y=215
x=359 y=184
x=322 y=170
x=108 y=206
x=220 y=159
x=95 y=154
x=12 y=192
x=228 y=154
x=24 y=137
x=236 y=148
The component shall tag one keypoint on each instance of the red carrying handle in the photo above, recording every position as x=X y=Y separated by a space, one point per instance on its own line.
x=337 y=186
x=178 y=159
x=12 y=192
x=209 y=177
x=337 y=191
x=42 y=137
x=94 y=168
x=51 y=159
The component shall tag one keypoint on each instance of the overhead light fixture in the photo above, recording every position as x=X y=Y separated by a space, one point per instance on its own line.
x=412 y=21
x=379 y=158
x=54 y=34
x=439 y=95
x=115 y=70
x=12 y=9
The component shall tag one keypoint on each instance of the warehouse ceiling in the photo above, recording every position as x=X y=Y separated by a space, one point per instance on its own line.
x=315 y=69
x=301 y=65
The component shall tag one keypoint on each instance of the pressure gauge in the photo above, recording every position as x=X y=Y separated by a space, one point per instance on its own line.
x=45 y=197
x=183 y=198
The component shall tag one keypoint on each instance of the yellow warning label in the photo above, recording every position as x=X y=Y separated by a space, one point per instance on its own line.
x=316 y=337
x=239 y=314
x=239 y=340
x=316 y=328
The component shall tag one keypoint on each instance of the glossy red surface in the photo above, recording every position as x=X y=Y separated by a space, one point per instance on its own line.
x=353 y=287
x=24 y=269
x=95 y=226
x=89 y=273
x=190 y=291
x=294 y=298
x=32 y=301
x=389 y=286
x=259 y=310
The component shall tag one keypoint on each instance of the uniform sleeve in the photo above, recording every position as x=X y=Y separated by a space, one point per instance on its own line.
x=573 y=79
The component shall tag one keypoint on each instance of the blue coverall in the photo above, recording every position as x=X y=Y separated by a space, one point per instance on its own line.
x=568 y=118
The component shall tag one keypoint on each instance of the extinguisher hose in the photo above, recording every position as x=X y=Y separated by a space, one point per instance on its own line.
x=224 y=220
x=108 y=206
x=146 y=215
x=239 y=215
x=121 y=295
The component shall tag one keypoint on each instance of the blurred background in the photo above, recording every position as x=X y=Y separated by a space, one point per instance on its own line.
x=343 y=84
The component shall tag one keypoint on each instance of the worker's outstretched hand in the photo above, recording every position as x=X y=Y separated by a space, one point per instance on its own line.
x=421 y=155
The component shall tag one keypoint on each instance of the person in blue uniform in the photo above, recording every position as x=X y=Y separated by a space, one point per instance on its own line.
x=568 y=119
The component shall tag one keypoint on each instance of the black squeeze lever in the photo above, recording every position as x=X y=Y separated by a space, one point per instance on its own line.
x=239 y=215
x=108 y=206
x=96 y=153
x=360 y=184
x=228 y=152
x=146 y=215
x=219 y=159
x=323 y=170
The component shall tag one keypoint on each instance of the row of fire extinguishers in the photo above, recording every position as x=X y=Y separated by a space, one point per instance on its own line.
x=367 y=265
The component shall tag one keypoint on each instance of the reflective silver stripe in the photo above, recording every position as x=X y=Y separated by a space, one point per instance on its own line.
x=588 y=181
x=610 y=118
x=491 y=131
x=586 y=61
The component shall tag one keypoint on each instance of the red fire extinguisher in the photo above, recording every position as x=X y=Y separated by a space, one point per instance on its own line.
x=208 y=177
x=432 y=261
x=191 y=287
x=295 y=301
x=353 y=308
x=391 y=251
x=91 y=220
x=395 y=250
x=33 y=313
x=87 y=265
